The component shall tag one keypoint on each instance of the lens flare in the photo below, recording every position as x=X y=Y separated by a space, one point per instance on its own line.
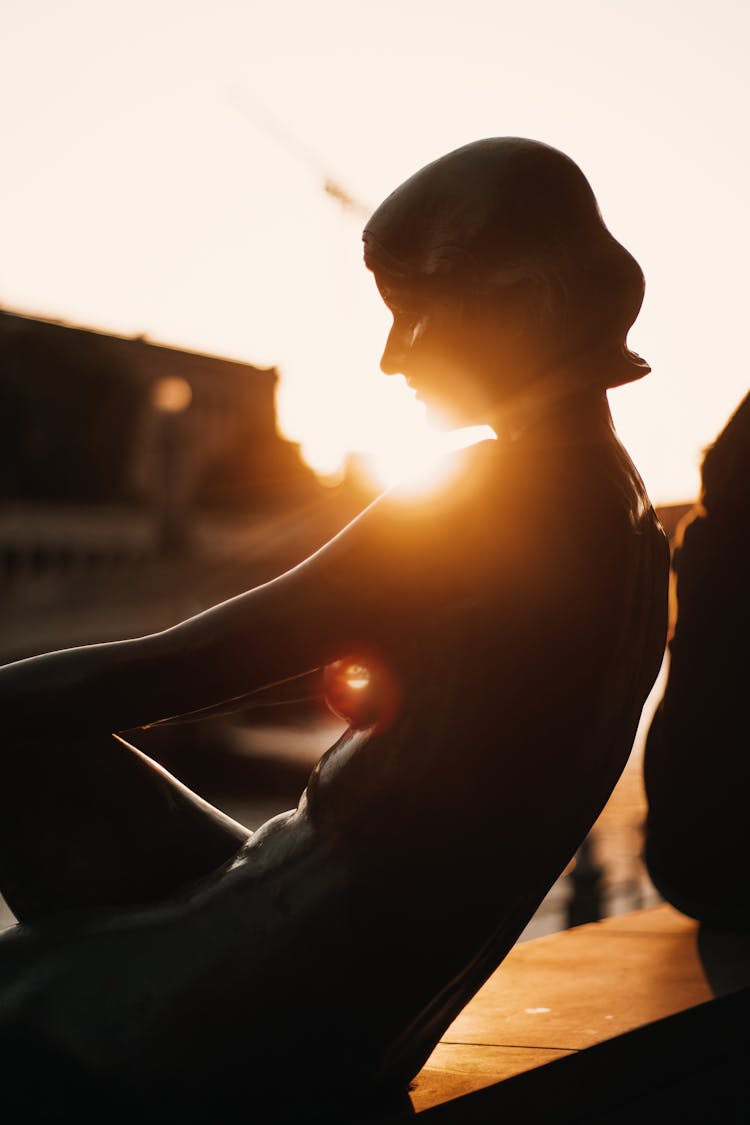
x=364 y=690
x=357 y=677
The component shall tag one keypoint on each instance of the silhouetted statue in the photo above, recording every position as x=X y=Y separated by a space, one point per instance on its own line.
x=697 y=762
x=503 y=635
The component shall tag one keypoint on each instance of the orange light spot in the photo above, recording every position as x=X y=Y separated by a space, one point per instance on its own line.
x=171 y=394
x=357 y=677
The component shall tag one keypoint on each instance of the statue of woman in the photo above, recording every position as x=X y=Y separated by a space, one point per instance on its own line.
x=510 y=628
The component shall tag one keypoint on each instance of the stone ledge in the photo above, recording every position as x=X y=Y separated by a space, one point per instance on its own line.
x=585 y=1022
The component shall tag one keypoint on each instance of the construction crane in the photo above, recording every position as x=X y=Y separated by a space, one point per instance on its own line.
x=260 y=116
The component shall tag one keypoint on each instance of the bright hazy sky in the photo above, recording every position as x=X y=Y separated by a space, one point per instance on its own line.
x=161 y=174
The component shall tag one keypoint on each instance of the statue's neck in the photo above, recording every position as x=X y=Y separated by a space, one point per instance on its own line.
x=553 y=408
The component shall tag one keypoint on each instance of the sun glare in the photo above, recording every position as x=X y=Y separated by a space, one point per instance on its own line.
x=422 y=464
x=376 y=419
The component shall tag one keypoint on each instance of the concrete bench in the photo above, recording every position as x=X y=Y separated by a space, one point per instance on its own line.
x=599 y=1023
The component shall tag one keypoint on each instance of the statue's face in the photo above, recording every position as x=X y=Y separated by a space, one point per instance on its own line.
x=446 y=350
x=422 y=345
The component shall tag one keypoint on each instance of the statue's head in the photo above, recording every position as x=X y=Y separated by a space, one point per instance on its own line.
x=495 y=263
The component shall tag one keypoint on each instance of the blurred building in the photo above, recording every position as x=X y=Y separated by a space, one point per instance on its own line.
x=81 y=411
x=138 y=482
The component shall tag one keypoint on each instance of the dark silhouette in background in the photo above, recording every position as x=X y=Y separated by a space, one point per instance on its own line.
x=697 y=762
x=503 y=635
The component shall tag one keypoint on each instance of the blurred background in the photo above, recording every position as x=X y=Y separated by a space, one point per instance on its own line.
x=190 y=399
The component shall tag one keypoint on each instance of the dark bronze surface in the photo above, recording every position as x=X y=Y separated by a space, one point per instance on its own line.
x=512 y=624
x=696 y=766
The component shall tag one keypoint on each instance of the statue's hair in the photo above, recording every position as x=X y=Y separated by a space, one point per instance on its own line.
x=515 y=220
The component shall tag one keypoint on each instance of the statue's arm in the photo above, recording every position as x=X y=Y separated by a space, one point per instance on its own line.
x=272 y=632
x=305 y=618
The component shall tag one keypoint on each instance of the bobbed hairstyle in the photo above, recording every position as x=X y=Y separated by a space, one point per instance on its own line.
x=516 y=221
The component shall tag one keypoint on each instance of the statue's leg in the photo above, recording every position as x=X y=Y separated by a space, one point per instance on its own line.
x=89 y=821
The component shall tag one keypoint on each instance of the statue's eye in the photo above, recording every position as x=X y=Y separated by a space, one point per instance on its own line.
x=402 y=305
x=407 y=318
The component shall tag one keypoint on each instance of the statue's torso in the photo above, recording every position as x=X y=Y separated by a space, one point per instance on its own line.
x=523 y=626
x=519 y=696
